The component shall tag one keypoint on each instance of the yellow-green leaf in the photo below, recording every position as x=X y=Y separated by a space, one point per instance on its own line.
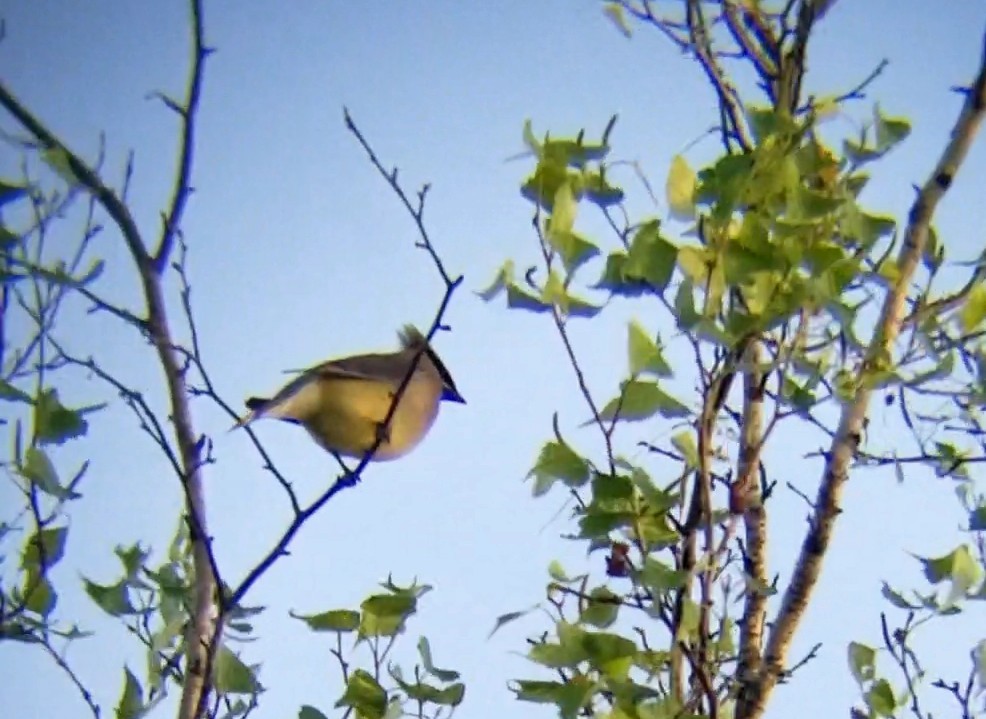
x=563 y=209
x=862 y=662
x=694 y=262
x=365 y=695
x=232 y=676
x=974 y=309
x=680 y=189
x=684 y=442
x=644 y=353
x=614 y=11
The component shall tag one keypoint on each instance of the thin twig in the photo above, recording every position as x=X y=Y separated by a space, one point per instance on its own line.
x=188 y=113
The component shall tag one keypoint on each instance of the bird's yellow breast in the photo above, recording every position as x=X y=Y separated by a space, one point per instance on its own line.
x=348 y=415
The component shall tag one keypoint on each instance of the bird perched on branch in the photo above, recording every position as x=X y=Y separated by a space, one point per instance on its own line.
x=343 y=402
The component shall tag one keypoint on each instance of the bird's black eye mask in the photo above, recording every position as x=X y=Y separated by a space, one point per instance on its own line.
x=442 y=370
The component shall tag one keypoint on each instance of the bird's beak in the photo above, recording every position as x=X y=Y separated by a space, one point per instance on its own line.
x=451 y=395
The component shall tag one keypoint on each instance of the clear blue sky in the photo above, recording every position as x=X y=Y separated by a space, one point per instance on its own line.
x=300 y=252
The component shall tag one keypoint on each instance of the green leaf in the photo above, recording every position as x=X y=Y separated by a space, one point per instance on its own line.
x=113 y=599
x=383 y=615
x=725 y=643
x=307 y=711
x=863 y=227
x=880 y=698
x=862 y=662
x=602 y=608
x=557 y=572
x=557 y=656
x=574 y=250
x=896 y=598
x=11 y=393
x=424 y=649
x=798 y=396
x=557 y=461
x=651 y=258
x=641 y=400
x=47 y=545
x=334 y=620
x=131 y=704
x=680 y=189
x=644 y=353
x=614 y=11
x=615 y=280
x=504 y=278
x=529 y=139
x=564 y=209
x=684 y=306
x=132 y=558
x=599 y=192
x=660 y=578
x=958 y=566
x=39 y=470
x=426 y=693
x=812 y=206
x=365 y=695
x=659 y=500
x=573 y=306
x=950 y=458
x=889 y=130
x=570 y=697
x=611 y=654
x=505 y=619
x=551 y=173
x=53 y=422
x=519 y=299
x=232 y=676
x=38 y=594
x=684 y=442
x=695 y=263
x=450 y=696
x=974 y=308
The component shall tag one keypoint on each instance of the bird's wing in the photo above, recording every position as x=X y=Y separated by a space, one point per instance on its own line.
x=374 y=367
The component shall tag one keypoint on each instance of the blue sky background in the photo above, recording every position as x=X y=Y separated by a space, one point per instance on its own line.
x=299 y=252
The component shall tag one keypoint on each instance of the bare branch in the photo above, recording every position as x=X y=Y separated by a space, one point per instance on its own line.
x=187 y=114
x=85 y=174
x=734 y=128
x=208 y=389
x=63 y=664
x=760 y=56
x=351 y=477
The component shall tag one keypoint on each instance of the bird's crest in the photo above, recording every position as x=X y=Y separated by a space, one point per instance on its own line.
x=411 y=338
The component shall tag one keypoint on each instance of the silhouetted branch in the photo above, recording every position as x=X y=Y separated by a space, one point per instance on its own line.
x=351 y=477
x=187 y=113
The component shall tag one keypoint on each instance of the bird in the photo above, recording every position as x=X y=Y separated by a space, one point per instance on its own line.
x=343 y=402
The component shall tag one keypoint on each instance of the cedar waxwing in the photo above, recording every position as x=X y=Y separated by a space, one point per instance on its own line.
x=343 y=402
